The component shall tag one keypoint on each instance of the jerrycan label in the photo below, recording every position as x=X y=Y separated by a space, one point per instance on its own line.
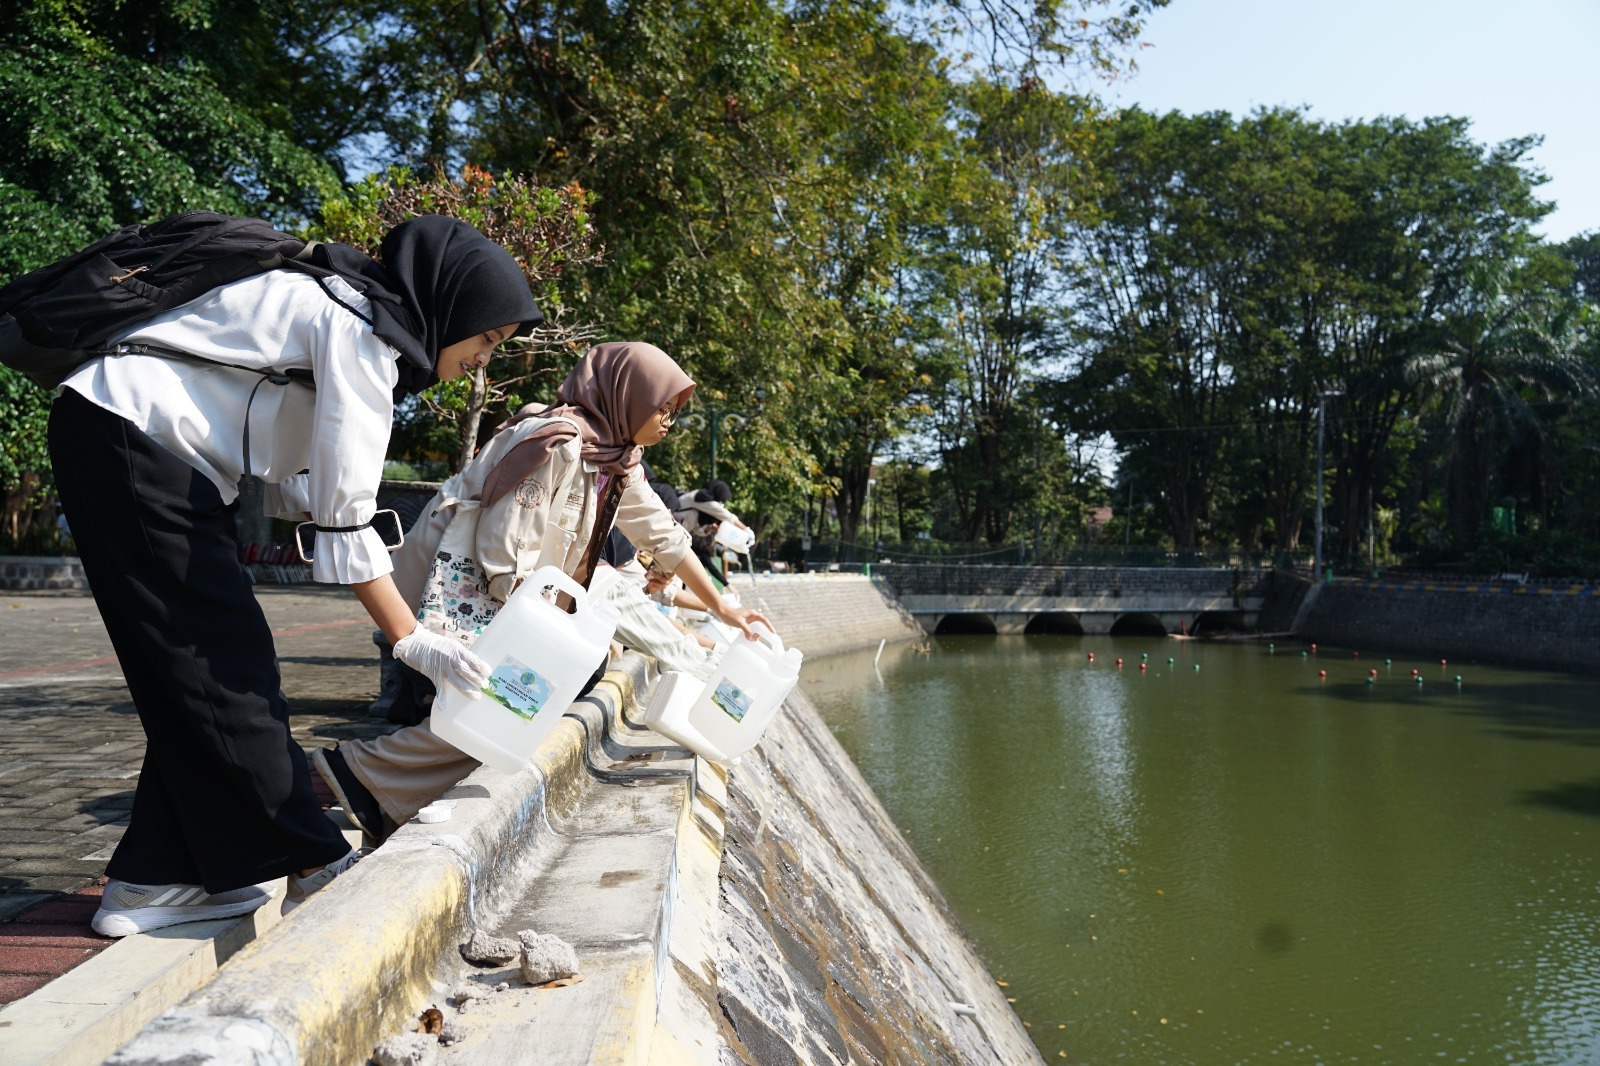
x=517 y=688
x=734 y=701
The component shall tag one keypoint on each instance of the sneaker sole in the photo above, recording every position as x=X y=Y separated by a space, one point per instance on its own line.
x=126 y=923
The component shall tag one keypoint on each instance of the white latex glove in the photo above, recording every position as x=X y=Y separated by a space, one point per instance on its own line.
x=443 y=660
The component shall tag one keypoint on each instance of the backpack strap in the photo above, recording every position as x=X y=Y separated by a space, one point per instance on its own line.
x=293 y=375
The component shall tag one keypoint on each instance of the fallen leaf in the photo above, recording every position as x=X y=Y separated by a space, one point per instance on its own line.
x=431 y=1022
x=1002 y=984
x=562 y=982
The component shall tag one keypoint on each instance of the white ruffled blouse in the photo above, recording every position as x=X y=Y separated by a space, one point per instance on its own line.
x=337 y=432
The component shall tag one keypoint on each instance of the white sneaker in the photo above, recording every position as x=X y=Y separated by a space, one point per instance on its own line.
x=129 y=908
x=301 y=887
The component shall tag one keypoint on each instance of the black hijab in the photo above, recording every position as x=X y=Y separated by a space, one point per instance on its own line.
x=440 y=281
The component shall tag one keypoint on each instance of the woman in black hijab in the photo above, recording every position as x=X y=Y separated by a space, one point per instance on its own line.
x=441 y=281
x=148 y=449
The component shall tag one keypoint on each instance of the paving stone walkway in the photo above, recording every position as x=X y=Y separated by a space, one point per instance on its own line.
x=71 y=747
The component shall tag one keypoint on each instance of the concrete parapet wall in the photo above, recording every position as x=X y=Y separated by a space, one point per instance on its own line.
x=41 y=572
x=826 y=613
x=1548 y=626
x=1072 y=582
x=1093 y=598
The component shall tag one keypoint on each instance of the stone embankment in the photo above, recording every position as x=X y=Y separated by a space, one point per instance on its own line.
x=768 y=914
x=827 y=613
x=1556 y=626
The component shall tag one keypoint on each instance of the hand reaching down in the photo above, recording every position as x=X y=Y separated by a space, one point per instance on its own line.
x=443 y=660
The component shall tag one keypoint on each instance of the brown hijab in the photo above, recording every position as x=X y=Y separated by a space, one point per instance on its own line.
x=611 y=393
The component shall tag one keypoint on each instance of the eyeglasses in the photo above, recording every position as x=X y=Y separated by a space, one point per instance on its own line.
x=668 y=414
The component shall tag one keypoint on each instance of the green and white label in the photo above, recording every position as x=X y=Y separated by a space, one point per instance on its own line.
x=520 y=689
x=734 y=701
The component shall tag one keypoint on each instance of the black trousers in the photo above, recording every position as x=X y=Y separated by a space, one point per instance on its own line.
x=224 y=797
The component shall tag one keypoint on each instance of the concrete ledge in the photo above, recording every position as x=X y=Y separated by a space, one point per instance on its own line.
x=87 y=1013
x=771 y=914
x=352 y=965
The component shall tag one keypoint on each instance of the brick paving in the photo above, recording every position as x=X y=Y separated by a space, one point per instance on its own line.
x=71 y=747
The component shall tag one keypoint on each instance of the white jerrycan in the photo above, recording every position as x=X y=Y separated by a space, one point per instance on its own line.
x=539 y=656
x=720 y=631
x=734 y=539
x=725 y=717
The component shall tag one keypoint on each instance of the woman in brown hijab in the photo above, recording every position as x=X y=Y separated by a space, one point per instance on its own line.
x=545 y=491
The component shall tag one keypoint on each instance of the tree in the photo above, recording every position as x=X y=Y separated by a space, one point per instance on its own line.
x=731 y=152
x=1511 y=343
x=992 y=286
x=1078 y=36
x=1583 y=253
x=1236 y=269
x=99 y=138
x=1195 y=236
x=546 y=230
x=1428 y=204
x=101 y=130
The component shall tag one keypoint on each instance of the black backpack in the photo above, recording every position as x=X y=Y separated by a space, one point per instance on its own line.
x=56 y=318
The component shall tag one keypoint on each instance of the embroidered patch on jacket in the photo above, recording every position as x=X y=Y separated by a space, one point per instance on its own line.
x=532 y=493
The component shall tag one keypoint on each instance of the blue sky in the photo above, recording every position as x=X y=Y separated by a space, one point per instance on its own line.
x=1513 y=69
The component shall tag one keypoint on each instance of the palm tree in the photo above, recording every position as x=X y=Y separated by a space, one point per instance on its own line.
x=1511 y=344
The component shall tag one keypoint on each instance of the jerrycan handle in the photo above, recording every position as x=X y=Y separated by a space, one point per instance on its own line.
x=557 y=578
x=767 y=636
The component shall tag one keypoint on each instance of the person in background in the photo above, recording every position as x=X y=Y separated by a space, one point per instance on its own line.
x=621 y=583
x=701 y=511
x=545 y=491
x=148 y=451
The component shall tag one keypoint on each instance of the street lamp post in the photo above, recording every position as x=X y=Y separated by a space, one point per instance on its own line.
x=712 y=418
x=1322 y=399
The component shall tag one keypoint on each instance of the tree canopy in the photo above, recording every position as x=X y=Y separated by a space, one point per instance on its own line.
x=933 y=292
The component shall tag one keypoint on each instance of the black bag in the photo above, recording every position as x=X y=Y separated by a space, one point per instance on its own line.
x=56 y=318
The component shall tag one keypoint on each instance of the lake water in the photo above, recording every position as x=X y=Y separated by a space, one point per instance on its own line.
x=1245 y=863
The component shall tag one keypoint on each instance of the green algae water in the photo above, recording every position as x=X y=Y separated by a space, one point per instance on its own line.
x=1245 y=863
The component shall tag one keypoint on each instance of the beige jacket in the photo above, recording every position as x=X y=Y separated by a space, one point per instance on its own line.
x=545 y=521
